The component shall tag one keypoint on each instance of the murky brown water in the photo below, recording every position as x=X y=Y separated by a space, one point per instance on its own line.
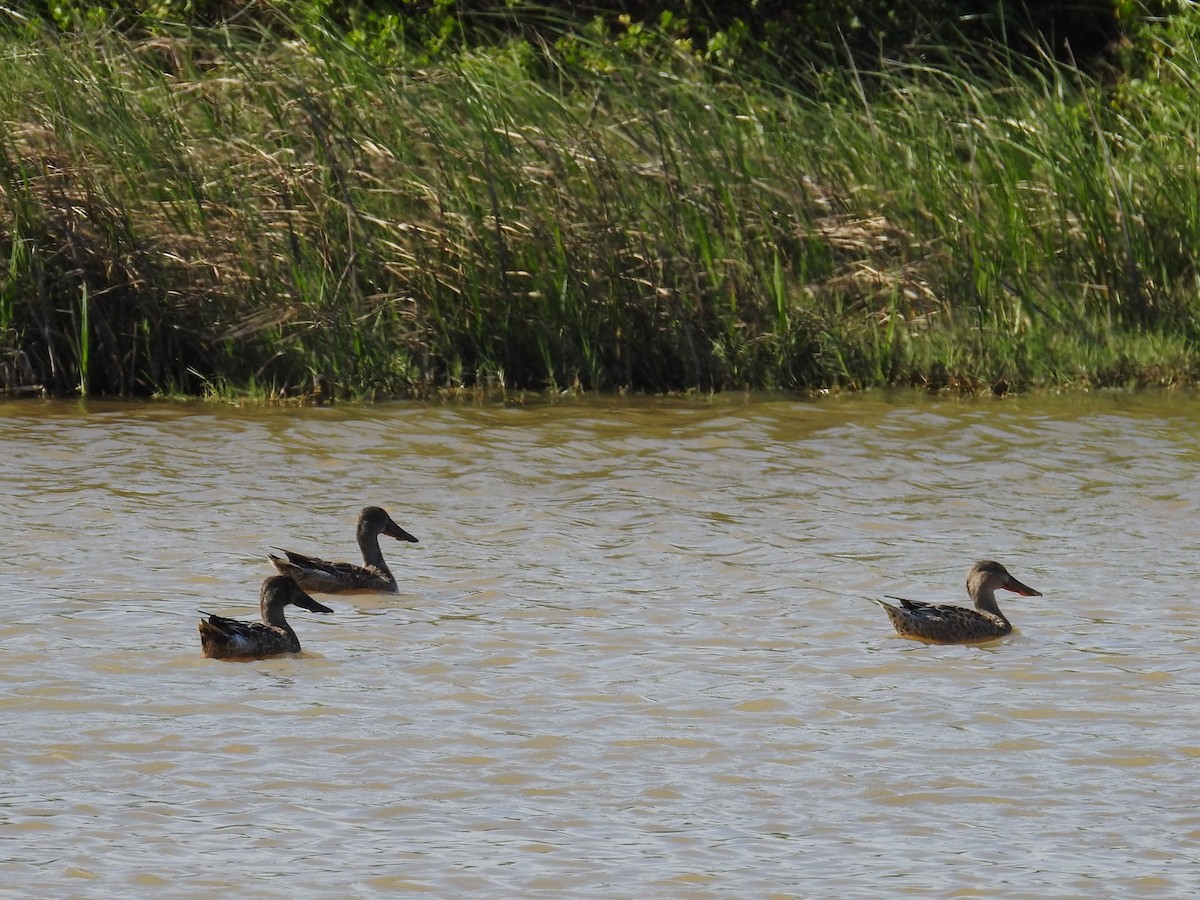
x=632 y=656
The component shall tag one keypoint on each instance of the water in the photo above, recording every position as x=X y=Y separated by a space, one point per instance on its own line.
x=632 y=655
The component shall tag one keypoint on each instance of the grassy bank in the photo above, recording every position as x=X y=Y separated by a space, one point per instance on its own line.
x=200 y=214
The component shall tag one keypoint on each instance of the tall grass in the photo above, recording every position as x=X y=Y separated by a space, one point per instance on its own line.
x=201 y=213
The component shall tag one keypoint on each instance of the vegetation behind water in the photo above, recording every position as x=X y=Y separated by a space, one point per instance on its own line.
x=207 y=211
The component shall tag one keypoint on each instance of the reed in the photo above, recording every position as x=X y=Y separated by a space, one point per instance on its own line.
x=202 y=213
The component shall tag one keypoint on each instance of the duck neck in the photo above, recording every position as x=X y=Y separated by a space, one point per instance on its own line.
x=272 y=614
x=985 y=602
x=372 y=555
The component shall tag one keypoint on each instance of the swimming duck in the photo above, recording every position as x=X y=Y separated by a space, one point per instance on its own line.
x=222 y=638
x=957 y=624
x=321 y=577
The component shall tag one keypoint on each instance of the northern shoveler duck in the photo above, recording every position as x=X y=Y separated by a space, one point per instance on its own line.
x=957 y=624
x=321 y=577
x=222 y=638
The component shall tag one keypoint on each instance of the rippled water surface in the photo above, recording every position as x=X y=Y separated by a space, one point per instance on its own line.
x=632 y=655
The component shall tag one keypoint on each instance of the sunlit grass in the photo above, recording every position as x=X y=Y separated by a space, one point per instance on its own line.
x=202 y=215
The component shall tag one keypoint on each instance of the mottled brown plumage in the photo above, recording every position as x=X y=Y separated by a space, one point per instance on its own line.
x=321 y=577
x=958 y=624
x=222 y=638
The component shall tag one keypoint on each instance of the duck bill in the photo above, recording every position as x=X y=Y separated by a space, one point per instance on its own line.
x=1018 y=588
x=394 y=530
x=306 y=602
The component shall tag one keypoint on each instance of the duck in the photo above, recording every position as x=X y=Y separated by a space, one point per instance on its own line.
x=957 y=624
x=320 y=577
x=222 y=638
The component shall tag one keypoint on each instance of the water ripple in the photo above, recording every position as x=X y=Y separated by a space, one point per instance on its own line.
x=632 y=654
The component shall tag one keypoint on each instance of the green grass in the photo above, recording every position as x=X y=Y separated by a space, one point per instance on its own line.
x=202 y=215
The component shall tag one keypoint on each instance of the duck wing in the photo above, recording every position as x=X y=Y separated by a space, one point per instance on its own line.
x=312 y=563
x=916 y=605
x=231 y=627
